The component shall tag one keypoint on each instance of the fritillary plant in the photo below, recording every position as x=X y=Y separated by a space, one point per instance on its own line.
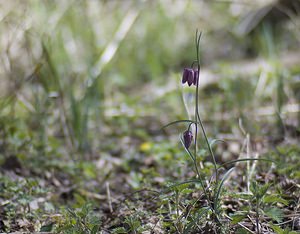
x=211 y=187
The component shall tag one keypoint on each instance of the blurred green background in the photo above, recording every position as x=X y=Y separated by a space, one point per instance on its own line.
x=69 y=69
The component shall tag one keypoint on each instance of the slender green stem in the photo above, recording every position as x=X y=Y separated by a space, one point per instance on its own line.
x=196 y=95
x=209 y=148
x=197 y=115
x=194 y=158
x=198 y=119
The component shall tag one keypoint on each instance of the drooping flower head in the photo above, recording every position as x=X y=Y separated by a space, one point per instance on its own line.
x=187 y=138
x=188 y=76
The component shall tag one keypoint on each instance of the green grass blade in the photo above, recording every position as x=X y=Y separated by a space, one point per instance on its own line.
x=179 y=121
x=245 y=160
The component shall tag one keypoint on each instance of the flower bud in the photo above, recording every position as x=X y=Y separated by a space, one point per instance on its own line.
x=187 y=138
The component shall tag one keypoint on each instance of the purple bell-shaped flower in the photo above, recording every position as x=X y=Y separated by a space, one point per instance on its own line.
x=188 y=76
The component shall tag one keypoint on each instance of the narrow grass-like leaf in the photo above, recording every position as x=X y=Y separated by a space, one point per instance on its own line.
x=179 y=121
x=245 y=160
